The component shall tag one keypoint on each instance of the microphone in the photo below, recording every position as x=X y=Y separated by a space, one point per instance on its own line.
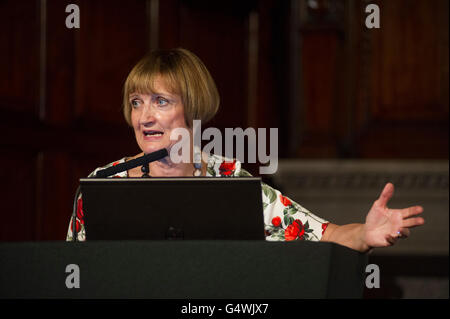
x=143 y=160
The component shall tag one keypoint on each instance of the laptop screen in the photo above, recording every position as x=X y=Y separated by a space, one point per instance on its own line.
x=173 y=208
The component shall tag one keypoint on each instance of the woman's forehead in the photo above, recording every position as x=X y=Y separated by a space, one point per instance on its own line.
x=156 y=84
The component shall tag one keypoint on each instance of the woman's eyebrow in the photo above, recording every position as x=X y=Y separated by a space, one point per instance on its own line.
x=163 y=94
x=154 y=95
x=134 y=95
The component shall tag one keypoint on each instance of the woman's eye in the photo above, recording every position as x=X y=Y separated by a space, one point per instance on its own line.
x=161 y=101
x=134 y=103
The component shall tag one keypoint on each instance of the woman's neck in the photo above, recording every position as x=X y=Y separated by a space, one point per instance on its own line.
x=165 y=167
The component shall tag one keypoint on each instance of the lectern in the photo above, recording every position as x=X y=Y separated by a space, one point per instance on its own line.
x=182 y=269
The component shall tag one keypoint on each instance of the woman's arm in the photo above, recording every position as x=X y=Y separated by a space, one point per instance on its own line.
x=351 y=236
x=383 y=226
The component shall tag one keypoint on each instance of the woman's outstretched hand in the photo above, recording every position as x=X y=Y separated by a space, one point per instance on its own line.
x=384 y=226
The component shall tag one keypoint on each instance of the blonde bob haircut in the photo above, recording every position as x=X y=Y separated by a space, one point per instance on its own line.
x=184 y=74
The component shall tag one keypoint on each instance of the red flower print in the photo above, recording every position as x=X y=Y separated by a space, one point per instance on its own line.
x=285 y=201
x=324 y=227
x=227 y=168
x=80 y=213
x=294 y=230
x=276 y=221
x=115 y=163
x=301 y=231
x=78 y=226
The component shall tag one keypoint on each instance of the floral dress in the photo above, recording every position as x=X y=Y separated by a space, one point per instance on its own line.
x=284 y=219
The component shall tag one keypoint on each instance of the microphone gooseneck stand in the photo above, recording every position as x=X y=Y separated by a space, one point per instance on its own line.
x=145 y=169
x=144 y=160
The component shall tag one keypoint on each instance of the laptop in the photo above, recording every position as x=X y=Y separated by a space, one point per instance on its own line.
x=197 y=208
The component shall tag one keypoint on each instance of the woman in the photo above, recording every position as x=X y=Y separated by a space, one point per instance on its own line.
x=167 y=90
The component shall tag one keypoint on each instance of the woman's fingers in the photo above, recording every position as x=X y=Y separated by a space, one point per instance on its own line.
x=404 y=233
x=400 y=234
x=407 y=212
x=413 y=222
x=392 y=239
x=407 y=216
x=386 y=194
x=412 y=211
x=407 y=221
x=400 y=220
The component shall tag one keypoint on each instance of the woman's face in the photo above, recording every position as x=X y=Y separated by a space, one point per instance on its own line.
x=154 y=116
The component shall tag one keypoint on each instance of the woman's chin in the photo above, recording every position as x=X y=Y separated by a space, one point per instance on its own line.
x=147 y=149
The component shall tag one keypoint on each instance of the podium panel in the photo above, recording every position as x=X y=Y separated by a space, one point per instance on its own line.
x=180 y=269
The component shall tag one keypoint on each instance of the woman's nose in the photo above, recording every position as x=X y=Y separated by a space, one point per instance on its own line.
x=147 y=114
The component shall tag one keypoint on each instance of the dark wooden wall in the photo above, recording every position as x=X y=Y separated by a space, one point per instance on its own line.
x=375 y=93
x=333 y=88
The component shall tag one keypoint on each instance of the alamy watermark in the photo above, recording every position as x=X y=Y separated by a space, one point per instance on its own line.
x=180 y=152
x=73 y=19
x=73 y=279
x=373 y=278
x=373 y=19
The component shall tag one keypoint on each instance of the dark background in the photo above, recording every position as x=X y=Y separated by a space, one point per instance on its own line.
x=332 y=87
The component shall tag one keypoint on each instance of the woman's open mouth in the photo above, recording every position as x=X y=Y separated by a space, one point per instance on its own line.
x=152 y=134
